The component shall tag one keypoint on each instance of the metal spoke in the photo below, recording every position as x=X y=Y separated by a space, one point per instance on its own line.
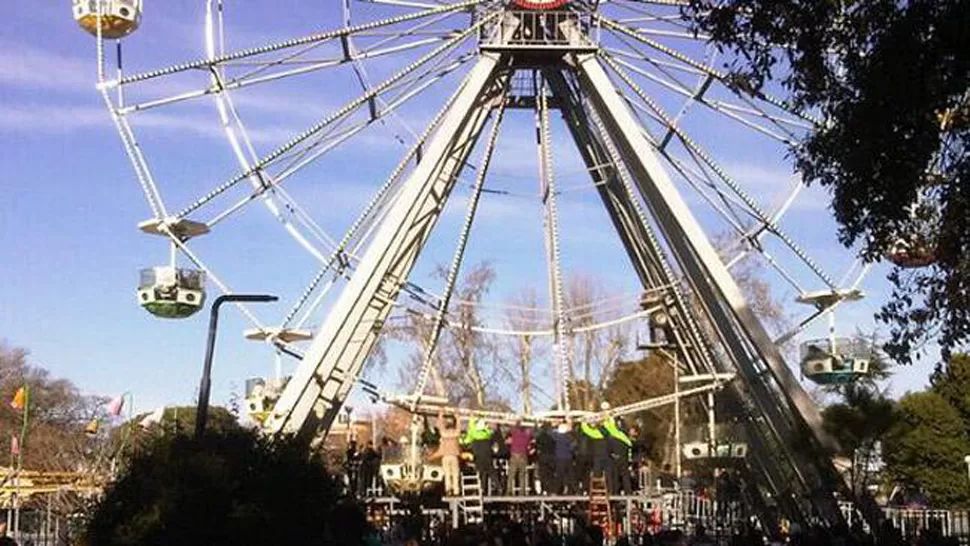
x=722 y=76
x=553 y=247
x=752 y=205
x=312 y=38
x=336 y=116
x=367 y=215
x=456 y=261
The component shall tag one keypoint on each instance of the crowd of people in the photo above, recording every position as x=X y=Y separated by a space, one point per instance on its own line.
x=504 y=531
x=515 y=460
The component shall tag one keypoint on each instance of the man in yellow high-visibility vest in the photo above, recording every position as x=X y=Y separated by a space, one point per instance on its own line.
x=620 y=447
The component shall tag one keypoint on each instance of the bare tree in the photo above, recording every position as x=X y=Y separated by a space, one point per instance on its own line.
x=522 y=315
x=466 y=358
x=595 y=349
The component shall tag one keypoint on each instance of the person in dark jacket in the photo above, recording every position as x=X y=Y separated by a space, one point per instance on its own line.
x=619 y=447
x=583 y=461
x=370 y=464
x=546 y=458
x=565 y=447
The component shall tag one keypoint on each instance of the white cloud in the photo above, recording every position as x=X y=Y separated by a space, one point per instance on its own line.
x=33 y=68
x=41 y=118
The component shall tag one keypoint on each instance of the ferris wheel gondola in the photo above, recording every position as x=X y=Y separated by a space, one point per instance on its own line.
x=114 y=19
x=833 y=360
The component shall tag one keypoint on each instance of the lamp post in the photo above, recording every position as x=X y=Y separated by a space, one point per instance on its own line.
x=202 y=410
x=967 y=460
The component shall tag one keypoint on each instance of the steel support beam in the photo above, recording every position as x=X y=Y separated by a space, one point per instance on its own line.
x=314 y=395
x=635 y=235
x=789 y=414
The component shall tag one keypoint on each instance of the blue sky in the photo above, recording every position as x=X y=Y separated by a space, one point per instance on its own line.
x=69 y=201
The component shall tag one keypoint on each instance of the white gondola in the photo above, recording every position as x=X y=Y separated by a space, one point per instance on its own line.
x=834 y=361
x=118 y=18
x=912 y=253
x=721 y=450
x=170 y=292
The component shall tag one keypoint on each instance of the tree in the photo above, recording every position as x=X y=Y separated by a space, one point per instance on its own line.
x=651 y=377
x=466 y=359
x=890 y=80
x=522 y=315
x=58 y=413
x=925 y=447
x=232 y=487
x=595 y=350
x=859 y=422
x=952 y=382
x=749 y=274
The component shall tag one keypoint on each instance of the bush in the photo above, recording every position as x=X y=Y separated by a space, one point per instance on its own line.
x=232 y=487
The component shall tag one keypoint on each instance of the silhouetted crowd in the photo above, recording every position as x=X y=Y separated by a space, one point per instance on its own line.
x=505 y=532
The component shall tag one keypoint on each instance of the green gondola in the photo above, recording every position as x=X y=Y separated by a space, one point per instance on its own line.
x=169 y=292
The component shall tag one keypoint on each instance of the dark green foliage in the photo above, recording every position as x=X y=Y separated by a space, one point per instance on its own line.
x=952 y=382
x=858 y=422
x=925 y=447
x=233 y=487
x=891 y=80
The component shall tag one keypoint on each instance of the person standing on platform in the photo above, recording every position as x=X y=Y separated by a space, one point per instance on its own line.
x=564 y=477
x=598 y=448
x=519 y=440
x=370 y=464
x=620 y=446
x=352 y=465
x=584 y=458
x=479 y=438
x=449 y=450
x=546 y=458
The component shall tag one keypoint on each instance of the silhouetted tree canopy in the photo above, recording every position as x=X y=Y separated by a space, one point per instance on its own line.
x=232 y=487
x=890 y=80
x=952 y=381
x=925 y=447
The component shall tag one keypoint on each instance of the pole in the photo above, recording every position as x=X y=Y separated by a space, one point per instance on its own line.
x=205 y=386
x=677 y=443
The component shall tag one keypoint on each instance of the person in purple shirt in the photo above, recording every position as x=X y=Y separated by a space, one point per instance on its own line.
x=519 y=440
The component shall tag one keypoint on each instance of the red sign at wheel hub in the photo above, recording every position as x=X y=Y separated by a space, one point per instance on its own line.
x=540 y=4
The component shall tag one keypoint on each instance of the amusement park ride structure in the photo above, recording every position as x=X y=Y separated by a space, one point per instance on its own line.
x=590 y=61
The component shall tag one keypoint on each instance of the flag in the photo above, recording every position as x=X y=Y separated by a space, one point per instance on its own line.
x=19 y=399
x=153 y=418
x=116 y=405
x=92 y=428
x=14 y=445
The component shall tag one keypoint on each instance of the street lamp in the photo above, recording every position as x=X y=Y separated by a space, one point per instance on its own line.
x=202 y=410
x=967 y=460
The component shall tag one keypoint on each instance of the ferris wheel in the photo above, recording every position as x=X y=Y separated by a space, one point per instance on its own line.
x=622 y=96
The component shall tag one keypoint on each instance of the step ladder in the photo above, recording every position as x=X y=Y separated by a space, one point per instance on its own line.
x=472 y=504
x=600 y=513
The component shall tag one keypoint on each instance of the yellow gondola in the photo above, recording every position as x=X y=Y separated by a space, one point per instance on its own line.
x=118 y=18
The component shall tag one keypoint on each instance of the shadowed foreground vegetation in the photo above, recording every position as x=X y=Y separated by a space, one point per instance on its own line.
x=232 y=487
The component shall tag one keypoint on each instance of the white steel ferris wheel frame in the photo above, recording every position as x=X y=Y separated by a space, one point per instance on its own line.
x=625 y=162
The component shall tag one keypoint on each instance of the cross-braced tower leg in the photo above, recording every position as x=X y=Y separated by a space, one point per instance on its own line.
x=313 y=396
x=790 y=423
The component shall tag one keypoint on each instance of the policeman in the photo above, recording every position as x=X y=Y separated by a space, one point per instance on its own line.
x=620 y=446
x=479 y=438
x=599 y=449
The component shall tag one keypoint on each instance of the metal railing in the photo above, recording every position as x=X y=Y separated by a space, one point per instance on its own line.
x=540 y=30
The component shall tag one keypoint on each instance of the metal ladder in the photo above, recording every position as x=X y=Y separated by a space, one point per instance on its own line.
x=472 y=504
x=600 y=513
